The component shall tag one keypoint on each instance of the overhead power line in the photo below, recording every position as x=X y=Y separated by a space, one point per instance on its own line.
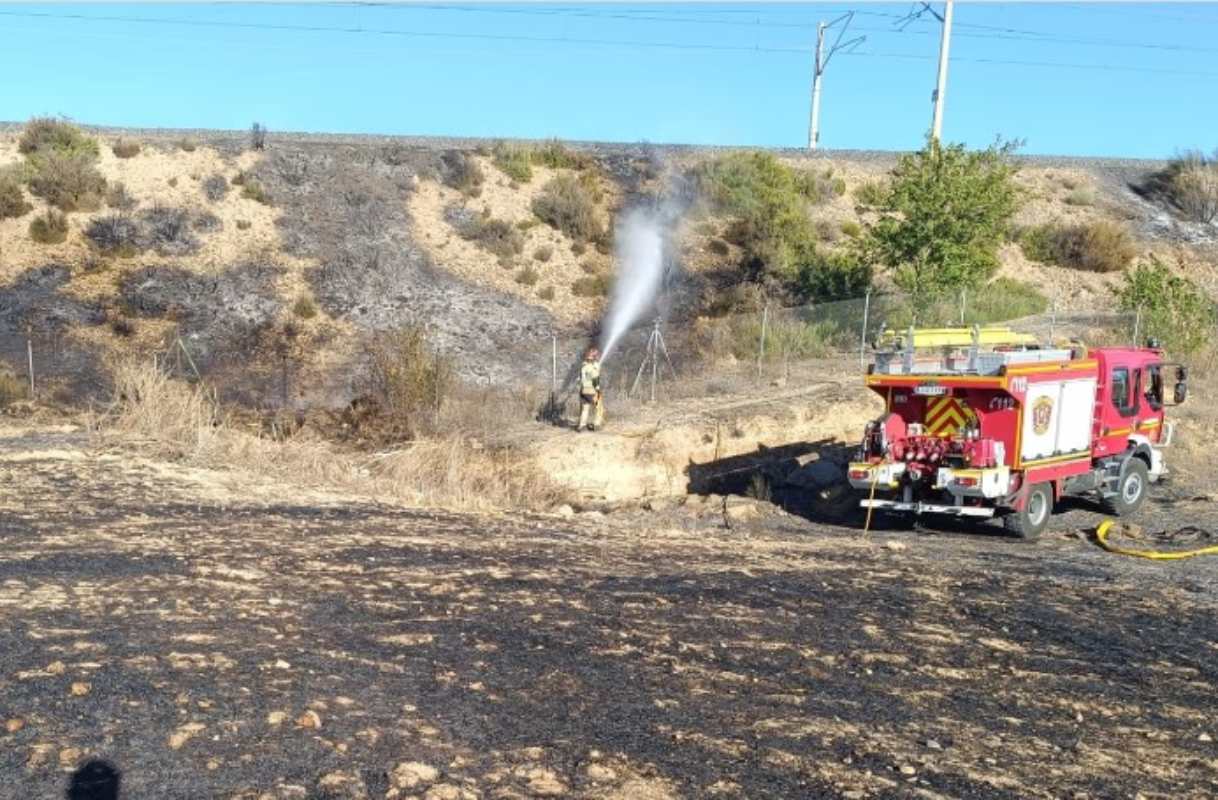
x=628 y=43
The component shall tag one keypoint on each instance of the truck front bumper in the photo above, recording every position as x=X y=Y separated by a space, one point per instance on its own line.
x=928 y=508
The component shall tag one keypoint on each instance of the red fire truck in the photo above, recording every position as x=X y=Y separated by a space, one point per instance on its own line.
x=985 y=422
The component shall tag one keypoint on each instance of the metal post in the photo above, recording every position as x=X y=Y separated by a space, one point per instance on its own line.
x=1052 y=320
x=655 y=358
x=936 y=128
x=29 y=351
x=765 y=319
x=863 y=337
x=963 y=303
x=1137 y=326
x=553 y=364
x=817 y=71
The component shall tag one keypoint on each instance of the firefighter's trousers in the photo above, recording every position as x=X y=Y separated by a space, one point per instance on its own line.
x=591 y=410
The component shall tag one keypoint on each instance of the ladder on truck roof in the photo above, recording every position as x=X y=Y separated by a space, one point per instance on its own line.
x=975 y=350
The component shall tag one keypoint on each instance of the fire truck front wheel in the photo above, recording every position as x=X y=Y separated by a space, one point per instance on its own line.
x=1130 y=489
x=1030 y=521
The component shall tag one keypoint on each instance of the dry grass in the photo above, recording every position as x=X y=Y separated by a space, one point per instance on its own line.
x=156 y=412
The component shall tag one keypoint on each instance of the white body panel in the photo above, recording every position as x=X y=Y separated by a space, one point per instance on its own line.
x=1057 y=418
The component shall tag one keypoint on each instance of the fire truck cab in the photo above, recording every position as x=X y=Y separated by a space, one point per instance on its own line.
x=986 y=422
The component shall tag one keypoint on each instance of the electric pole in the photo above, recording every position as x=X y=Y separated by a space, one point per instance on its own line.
x=936 y=128
x=819 y=62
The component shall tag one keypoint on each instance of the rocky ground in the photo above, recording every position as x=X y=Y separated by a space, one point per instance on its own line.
x=221 y=638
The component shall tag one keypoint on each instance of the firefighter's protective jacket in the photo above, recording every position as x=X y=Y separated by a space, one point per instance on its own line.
x=590 y=378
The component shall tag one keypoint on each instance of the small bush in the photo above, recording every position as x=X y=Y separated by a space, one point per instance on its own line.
x=240 y=178
x=12 y=389
x=123 y=327
x=47 y=135
x=207 y=222
x=513 y=161
x=527 y=277
x=591 y=286
x=49 y=227
x=168 y=231
x=852 y=229
x=496 y=236
x=1004 y=299
x=547 y=293
x=118 y=198
x=243 y=224
x=1174 y=309
x=461 y=172
x=819 y=187
x=1081 y=196
x=872 y=193
x=718 y=247
x=578 y=248
x=543 y=253
x=115 y=235
x=588 y=268
x=258 y=136
x=1098 y=246
x=124 y=148
x=555 y=155
x=827 y=230
x=566 y=204
x=410 y=381
x=187 y=145
x=304 y=307
x=68 y=181
x=215 y=188
x=252 y=190
x=1193 y=185
x=12 y=199
x=172 y=181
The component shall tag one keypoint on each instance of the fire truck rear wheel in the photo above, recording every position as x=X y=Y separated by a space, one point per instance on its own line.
x=1131 y=489
x=1031 y=520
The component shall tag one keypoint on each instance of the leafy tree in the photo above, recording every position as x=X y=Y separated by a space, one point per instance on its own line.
x=943 y=217
x=1173 y=308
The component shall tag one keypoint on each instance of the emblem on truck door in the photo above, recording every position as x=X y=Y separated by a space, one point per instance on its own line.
x=1042 y=415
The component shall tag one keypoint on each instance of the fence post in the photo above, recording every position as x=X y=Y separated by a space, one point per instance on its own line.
x=1137 y=325
x=29 y=352
x=553 y=364
x=863 y=336
x=765 y=318
x=1052 y=320
x=963 y=303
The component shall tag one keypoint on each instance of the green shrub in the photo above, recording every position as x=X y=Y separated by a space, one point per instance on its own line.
x=718 y=247
x=1096 y=246
x=69 y=181
x=591 y=286
x=1173 y=308
x=49 y=227
x=125 y=149
x=1004 y=299
x=872 y=193
x=852 y=229
x=527 y=277
x=547 y=293
x=47 y=135
x=252 y=190
x=1192 y=185
x=304 y=307
x=12 y=199
x=819 y=187
x=565 y=203
x=944 y=218
x=543 y=253
x=555 y=155
x=833 y=275
x=513 y=161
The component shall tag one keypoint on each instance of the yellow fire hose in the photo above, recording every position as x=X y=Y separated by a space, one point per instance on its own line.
x=875 y=476
x=1101 y=537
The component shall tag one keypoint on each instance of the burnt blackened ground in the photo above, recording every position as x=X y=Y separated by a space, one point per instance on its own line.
x=149 y=617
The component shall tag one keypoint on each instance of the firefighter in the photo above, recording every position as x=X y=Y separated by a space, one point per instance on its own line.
x=591 y=404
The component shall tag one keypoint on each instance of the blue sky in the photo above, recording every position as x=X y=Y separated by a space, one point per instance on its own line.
x=1092 y=79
